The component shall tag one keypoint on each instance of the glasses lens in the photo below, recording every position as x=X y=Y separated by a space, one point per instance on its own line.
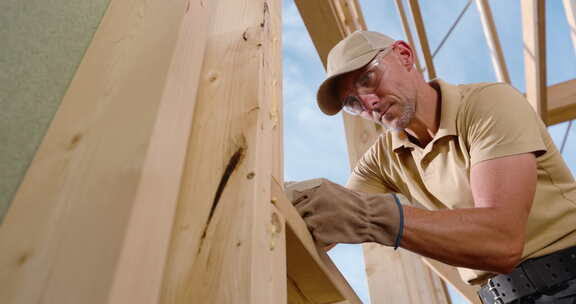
x=369 y=79
x=352 y=105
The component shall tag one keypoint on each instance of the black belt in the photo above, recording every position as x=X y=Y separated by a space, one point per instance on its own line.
x=532 y=277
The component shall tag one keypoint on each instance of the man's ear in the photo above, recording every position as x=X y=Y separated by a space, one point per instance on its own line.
x=405 y=54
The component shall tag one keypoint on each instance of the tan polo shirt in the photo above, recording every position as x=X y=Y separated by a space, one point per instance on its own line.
x=478 y=122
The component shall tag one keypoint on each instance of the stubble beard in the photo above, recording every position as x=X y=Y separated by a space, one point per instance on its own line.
x=403 y=121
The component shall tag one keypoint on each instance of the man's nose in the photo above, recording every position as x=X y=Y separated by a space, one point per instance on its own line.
x=370 y=101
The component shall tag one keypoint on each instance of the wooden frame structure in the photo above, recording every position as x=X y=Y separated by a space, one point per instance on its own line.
x=183 y=200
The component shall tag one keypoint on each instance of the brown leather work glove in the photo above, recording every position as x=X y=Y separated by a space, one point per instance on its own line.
x=335 y=214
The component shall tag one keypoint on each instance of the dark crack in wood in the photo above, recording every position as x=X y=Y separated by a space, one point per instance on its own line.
x=232 y=165
x=263 y=23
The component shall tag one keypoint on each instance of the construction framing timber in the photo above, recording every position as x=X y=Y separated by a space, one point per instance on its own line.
x=183 y=202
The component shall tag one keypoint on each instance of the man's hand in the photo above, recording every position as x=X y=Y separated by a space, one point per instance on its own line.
x=335 y=214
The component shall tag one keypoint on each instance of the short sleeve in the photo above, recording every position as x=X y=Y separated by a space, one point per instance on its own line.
x=499 y=122
x=366 y=176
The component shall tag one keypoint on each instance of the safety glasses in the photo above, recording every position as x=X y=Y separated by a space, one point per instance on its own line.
x=366 y=83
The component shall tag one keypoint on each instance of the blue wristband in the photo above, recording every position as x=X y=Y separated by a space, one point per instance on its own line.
x=401 y=230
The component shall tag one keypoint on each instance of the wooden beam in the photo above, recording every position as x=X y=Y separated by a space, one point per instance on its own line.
x=61 y=241
x=534 y=36
x=407 y=279
x=570 y=9
x=344 y=16
x=407 y=31
x=277 y=106
x=421 y=31
x=224 y=246
x=350 y=18
x=357 y=14
x=561 y=102
x=141 y=265
x=450 y=274
x=312 y=276
x=491 y=34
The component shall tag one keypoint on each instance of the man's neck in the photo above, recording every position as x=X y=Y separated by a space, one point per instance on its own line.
x=427 y=117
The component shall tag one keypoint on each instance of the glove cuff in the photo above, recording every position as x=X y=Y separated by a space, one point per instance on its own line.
x=385 y=219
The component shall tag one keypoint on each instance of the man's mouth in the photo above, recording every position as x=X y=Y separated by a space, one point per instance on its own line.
x=383 y=114
x=387 y=108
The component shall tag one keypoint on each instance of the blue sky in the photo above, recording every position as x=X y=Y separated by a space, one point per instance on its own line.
x=315 y=145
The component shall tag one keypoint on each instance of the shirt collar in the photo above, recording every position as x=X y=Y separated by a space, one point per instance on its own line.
x=450 y=100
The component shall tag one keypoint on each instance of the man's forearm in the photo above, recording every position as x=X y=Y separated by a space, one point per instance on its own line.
x=476 y=238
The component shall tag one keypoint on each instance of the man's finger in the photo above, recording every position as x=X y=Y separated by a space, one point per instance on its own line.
x=299 y=197
x=305 y=209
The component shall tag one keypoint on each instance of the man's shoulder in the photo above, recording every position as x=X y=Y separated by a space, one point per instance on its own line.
x=469 y=90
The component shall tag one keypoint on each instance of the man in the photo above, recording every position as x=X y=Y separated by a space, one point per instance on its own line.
x=477 y=156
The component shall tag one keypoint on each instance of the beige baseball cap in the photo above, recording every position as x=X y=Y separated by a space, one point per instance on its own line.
x=352 y=53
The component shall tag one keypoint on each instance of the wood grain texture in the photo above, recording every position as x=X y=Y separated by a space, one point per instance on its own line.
x=221 y=249
x=561 y=102
x=276 y=108
x=61 y=240
x=141 y=266
x=534 y=37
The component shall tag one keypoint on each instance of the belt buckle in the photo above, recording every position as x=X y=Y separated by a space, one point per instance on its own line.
x=492 y=289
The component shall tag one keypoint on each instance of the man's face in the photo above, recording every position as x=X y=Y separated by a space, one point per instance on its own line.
x=384 y=89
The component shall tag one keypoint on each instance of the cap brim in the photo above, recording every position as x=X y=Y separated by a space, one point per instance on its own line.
x=326 y=95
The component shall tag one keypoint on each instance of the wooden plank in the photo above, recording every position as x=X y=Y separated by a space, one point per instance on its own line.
x=562 y=97
x=357 y=14
x=141 y=265
x=450 y=274
x=222 y=243
x=491 y=34
x=407 y=31
x=562 y=102
x=534 y=36
x=350 y=15
x=570 y=9
x=343 y=16
x=310 y=270
x=412 y=282
x=276 y=109
x=61 y=240
x=278 y=283
x=421 y=32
